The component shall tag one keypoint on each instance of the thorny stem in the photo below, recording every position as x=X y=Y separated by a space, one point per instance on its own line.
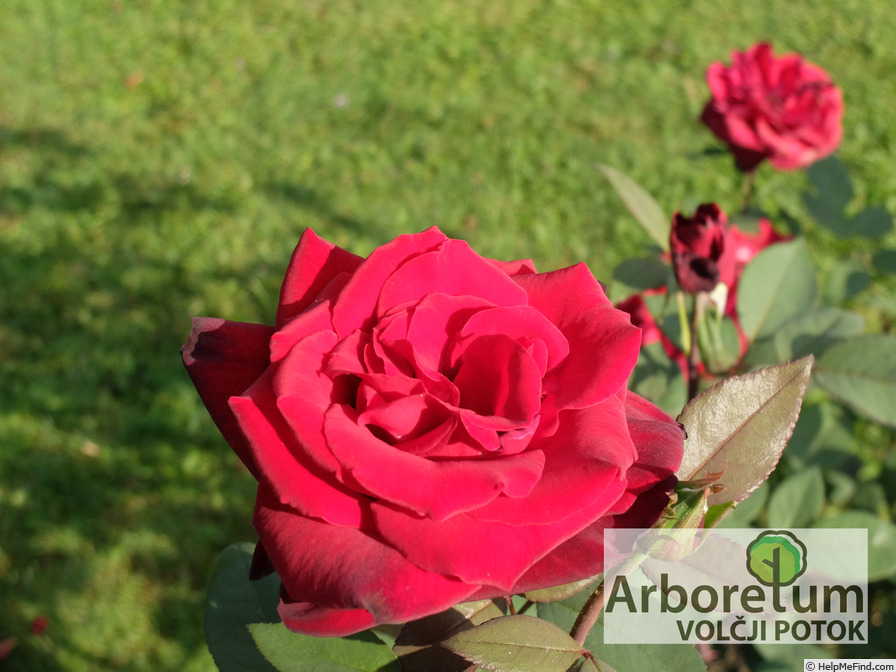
x=588 y=616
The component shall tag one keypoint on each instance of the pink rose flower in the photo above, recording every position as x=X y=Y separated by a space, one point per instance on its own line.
x=428 y=426
x=782 y=109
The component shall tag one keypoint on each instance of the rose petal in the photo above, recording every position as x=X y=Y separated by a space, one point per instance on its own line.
x=660 y=443
x=297 y=481
x=516 y=267
x=452 y=269
x=591 y=449
x=574 y=302
x=315 y=262
x=341 y=568
x=477 y=551
x=223 y=359
x=431 y=488
x=312 y=619
x=500 y=381
x=434 y=322
x=358 y=300
x=650 y=481
x=317 y=318
x=521 y=323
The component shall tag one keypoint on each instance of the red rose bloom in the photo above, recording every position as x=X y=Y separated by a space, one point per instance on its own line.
x=697 y=244
x=428 y=426
x=783 y=109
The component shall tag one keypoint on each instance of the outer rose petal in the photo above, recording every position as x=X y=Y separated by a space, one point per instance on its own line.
x=317 y=621
x=315 y=262
x=295 y=479
x=224 y=358
x=517 y=267
x=477 y=551
x=660 y=447
x=342 y=568
x=660 y=442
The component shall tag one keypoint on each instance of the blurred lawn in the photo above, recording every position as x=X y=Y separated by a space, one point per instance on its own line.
x=160 y=159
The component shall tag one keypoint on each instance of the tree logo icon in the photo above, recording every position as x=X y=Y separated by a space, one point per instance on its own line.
x=776 y=558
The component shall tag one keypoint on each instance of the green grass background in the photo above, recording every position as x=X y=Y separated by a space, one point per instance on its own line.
x=159 y=160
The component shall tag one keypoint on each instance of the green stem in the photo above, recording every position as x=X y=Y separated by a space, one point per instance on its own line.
x=748 y=189
x=588 y=616
x=694 y=354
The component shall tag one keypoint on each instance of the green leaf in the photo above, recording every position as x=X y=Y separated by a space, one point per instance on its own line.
x=232 y=602
x=667 y=314
x=861 y=372
x=517 y=644
x=797 y=501
x=787 y=657
x=831 y=180
x=823 y=435
x=776 y=285
x=418 y=644
x=740 y=427
x=829 y=215
x=873 y=222
x=563 y=614
x=761 y=353
x=636 y=275
x=558 y=593
x=641 y=204
x=847 y=278
x=881 y=539
x=870 y=496
x=842 y=488
x=885 y=261
x=291 y=652
x=717 y=513
x=659 y=379
x=812 y=333
x=644 y=657
x=833 y=192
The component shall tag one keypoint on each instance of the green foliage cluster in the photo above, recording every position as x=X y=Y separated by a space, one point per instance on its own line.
x=836 y=471
x=159 y=160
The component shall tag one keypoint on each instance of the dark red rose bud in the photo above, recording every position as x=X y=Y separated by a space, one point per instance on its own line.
x=697 y=244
